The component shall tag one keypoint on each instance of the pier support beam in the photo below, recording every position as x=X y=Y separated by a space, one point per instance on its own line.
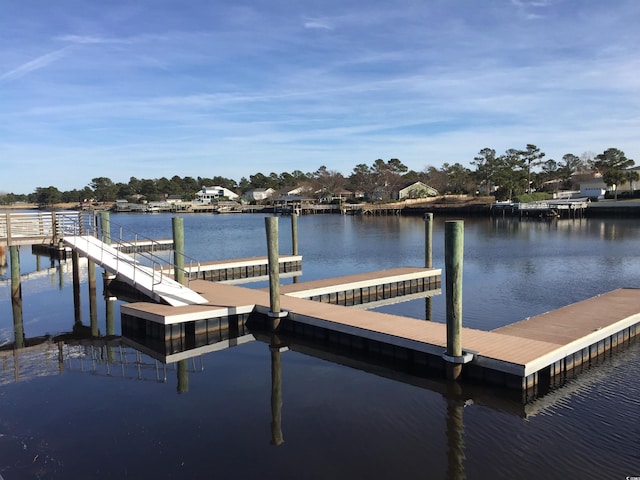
x=453 y=256
x=178 y=249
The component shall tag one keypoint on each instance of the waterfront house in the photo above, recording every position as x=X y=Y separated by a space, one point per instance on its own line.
x=208 y=194
x=260 y=194
x=417 y=190
x=172 y=199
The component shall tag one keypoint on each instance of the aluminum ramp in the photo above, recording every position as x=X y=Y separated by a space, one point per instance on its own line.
x=151 y=282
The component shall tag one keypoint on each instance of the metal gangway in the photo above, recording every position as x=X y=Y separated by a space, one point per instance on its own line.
x=146 y=271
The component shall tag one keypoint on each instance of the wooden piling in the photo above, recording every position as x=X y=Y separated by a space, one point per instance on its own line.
x=16 y=296
x=105 y=227
x=93 y=303
x=428 y=258
x=77 y=308
x=453 y=253
x=271 y=224
x=428 y=240
x=110 y=326
x=178 y=249
x=294 y=234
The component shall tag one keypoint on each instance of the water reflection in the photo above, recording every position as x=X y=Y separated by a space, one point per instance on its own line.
x=276 y=348
x=3 y=261
x=363 y=415
x=148 y=357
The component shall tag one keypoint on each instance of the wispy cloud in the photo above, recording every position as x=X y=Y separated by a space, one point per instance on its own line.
x=33 y=65
x=318 y=24
x=90 y=39
x=298 y=86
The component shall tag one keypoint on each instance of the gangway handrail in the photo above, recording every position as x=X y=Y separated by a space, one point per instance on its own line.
x=157 y=263
x=151 y=255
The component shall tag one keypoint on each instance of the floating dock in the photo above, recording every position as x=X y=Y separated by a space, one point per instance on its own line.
x=252 y=268
x=369 y=289
x=529 y=355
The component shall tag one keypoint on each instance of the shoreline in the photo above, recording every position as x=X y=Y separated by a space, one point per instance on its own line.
x=602 y=209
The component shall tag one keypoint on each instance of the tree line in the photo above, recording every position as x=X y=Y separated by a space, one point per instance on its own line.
x=515 y=172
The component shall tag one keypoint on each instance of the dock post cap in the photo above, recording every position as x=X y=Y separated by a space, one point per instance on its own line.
x=466 y=357
x=281 y=314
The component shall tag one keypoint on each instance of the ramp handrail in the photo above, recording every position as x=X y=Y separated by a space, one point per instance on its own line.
x=158 y=265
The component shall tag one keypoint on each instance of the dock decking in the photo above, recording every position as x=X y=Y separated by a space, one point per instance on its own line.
x=252 y=268
x=522 y=355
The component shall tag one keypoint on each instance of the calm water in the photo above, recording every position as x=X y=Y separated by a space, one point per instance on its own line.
x=97 y=419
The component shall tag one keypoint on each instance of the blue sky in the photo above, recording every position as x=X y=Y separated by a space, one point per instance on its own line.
x=203 y=88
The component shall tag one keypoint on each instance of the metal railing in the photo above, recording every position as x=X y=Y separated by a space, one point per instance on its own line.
x=27 y=228
x=154 y=265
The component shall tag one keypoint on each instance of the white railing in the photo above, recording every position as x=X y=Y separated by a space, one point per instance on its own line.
x=24 y=228
x=155 y=267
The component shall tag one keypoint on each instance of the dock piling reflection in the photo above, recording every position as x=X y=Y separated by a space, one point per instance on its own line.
x=276 y=391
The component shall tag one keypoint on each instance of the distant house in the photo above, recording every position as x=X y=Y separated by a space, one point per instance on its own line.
x=174 y=199
x=259 y=194
x=299 y=190
x=417 y=190
x=208 y=194
x=595 y=186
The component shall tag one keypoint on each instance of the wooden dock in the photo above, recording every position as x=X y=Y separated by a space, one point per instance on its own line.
x=370 y=289
x=250 y=269
x=527 y=355
x=568 y=208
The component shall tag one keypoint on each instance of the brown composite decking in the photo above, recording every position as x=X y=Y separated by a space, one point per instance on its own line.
x=219 y=264
x=357 y=280
x=520 y=349
x=569 y=323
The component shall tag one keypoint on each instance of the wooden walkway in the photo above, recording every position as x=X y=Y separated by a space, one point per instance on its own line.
x=520 y=352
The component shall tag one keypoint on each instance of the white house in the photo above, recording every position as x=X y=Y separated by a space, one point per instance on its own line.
x=208 y=194
x=260 y=194
x=593 y=188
